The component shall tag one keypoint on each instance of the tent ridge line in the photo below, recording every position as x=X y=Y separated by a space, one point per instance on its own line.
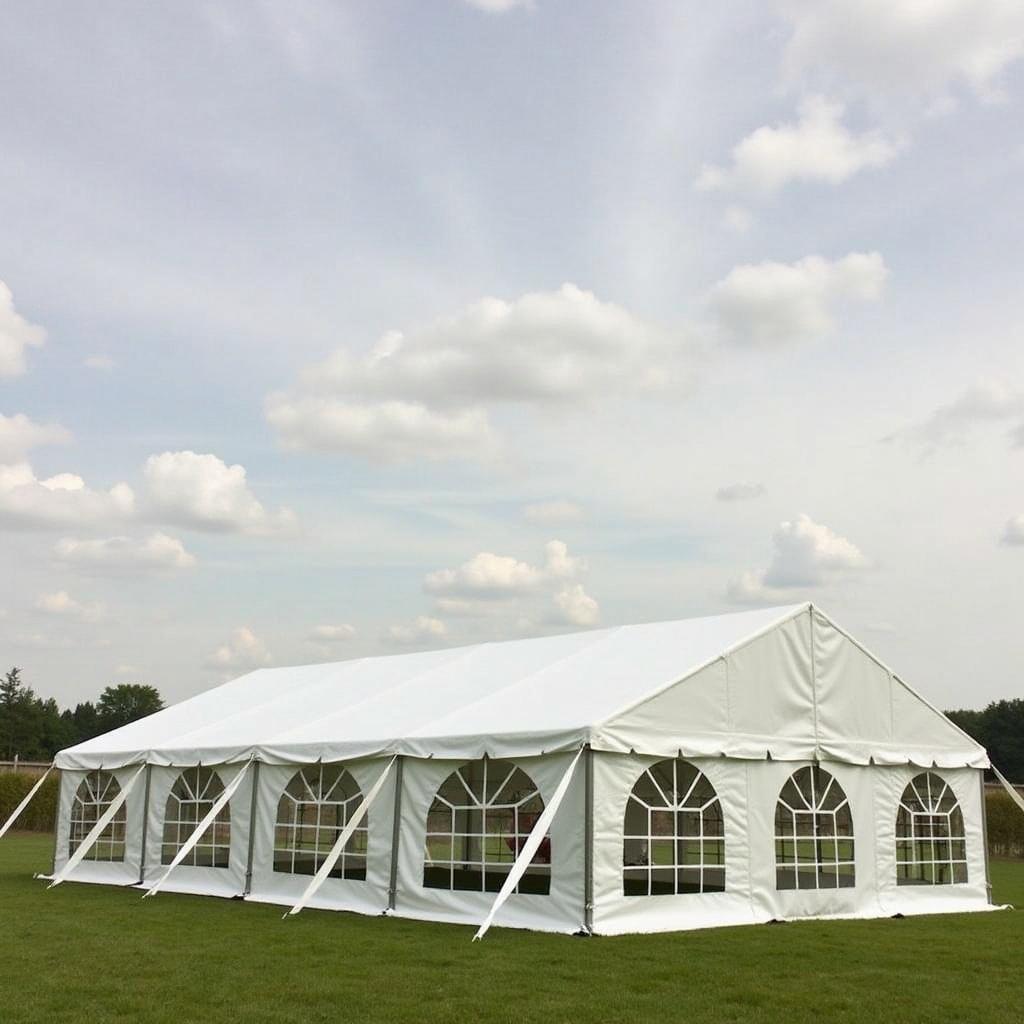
x=791 y=614
x=895 y=675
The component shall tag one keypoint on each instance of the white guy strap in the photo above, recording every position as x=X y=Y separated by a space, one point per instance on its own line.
x=24 y=803
x=533 y=841
x=339 y=844
x=105 y=819
x=186 y=847
x=1017 y=798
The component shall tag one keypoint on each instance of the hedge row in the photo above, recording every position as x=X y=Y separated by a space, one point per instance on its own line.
x=1005 y=819
x=1005 y=825
x=41 y=812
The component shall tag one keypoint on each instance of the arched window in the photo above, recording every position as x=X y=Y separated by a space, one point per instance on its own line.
x=311 y=814
x=673 y=833
x=931 y=848
x=813 y=833
x=192 y=798
x=96 y=792
x=476 y=826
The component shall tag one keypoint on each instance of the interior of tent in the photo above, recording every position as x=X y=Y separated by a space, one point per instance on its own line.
x=727 y=770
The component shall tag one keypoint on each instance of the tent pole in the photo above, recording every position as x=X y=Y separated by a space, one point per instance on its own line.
x=56 y=818
x=145 y=825
x=984 y=834
x=588 y=839
x=252 y=828
x=396 y=830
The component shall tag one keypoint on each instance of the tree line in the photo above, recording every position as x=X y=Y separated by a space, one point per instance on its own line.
x=999 y=728
x=34 y=728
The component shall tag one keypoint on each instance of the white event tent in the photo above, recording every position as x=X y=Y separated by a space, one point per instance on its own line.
x=714 y=771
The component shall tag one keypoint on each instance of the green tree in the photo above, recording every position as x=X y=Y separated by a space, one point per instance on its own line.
x=128 y=702
x=18 y=718
x=1003 y=728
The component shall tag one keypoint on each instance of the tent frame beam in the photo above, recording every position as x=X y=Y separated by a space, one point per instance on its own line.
x=145 y=825
x=588 y=839
x=252 y=828
x=396 y=831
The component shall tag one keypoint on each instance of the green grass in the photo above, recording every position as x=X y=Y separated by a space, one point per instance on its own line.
x=100 y=955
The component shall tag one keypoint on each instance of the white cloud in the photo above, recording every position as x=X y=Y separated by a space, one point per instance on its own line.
x=737 y=219
x=739 y=492
x=127 y=670
x=807 y=554
x=910 y=47
x=327 y=635
x=62 y=500
x=16 y=336
x=99 y=362
x=201 y=492
x=1014 y=532
x=487 y=576
x=19 y=434
x=576 y=607
x=427 y=393
x=63 y=604
x=124 y=555
x=243 y=652
x=818 y=148
x=985 y=402
x=553 y=513
x=391 y=430
x=772 y=304
x=423 y=630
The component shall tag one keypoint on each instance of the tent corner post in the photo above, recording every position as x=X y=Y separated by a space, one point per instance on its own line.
x=984 y=834
x=588 y=839
x=145 y=825
x=56 y=817
x=252 y=828
x=396 y=831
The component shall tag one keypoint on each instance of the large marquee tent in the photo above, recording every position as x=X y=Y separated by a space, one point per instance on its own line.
x=713 y=771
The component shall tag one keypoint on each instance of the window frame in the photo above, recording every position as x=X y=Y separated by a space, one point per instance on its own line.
x=932 y=819
x=352 y=864
x=683 y=804
x=814 y=826
x=467 y=799
x=101 y=787
x=203 y=786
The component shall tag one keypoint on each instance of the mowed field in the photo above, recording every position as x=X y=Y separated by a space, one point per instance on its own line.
x=93 y=954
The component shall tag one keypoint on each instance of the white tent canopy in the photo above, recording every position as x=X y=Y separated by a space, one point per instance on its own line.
x=712 y=771
x=784 y=683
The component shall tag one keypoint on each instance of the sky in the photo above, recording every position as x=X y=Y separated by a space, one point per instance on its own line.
x=334 y=329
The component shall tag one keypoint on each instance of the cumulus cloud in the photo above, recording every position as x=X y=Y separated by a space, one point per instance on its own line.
x=985 y=402
x=553 y=513
x=61 y=603
x=904 y=47
x=328 y=635
x=1014 y=532
x=817 y=148
x=428 y=392
x=17 y=335
x=576 y=607
x=202 y=492
x=124 y=555
x=807 y=554
x=739 y=492
x=422 y=631
x=771 y=304
x=19 y=434
x=242 y=653
x=487 y=576
x=28 y=502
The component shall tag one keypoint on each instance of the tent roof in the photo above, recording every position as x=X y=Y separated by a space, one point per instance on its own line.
x=724 y=678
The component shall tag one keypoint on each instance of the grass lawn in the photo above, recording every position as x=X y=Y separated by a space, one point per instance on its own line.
x=97 y=955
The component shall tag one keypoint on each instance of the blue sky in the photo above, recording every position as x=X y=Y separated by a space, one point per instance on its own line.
x=333 y=329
